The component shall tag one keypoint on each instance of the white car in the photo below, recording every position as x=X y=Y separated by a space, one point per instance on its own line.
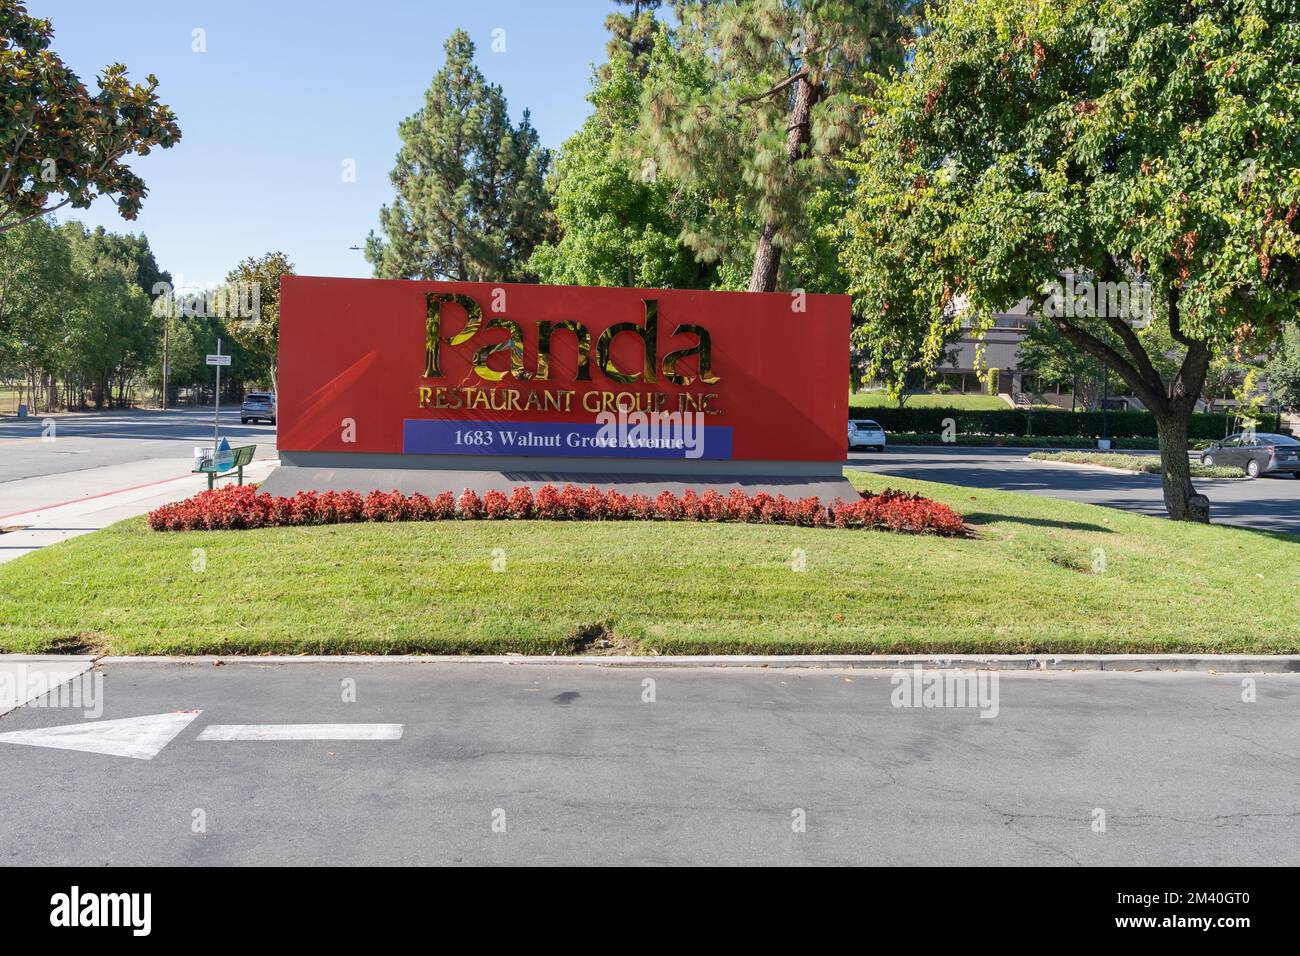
x=863 y=432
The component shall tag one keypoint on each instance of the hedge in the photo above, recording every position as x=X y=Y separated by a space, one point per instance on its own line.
x=1016 y=421
x=243 y=506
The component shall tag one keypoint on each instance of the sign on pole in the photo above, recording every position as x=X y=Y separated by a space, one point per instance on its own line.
x=218 y=360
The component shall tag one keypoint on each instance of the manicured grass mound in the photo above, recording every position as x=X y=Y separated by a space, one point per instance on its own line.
x=961 y=440
x=1042 y=576
x=235 y=507
x=972 y=401
x=1143 y=464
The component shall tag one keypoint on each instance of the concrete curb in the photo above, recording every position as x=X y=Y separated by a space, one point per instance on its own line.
x=1127 y=663
x=1117 y=471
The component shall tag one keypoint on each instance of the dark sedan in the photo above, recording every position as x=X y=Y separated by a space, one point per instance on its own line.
x=1256 y=454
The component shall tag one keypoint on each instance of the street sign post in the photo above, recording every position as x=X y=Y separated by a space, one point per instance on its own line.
x=217 y=361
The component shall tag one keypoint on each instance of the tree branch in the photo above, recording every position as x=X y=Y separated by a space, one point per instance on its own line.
x=1176 y=320
x=18 y=145
x=1126 y=333
x=1080 y=338
x=792 y=78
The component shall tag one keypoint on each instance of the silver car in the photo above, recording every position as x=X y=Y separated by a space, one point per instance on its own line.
x=864 y=433
x=1256 y=454
x=258 y=406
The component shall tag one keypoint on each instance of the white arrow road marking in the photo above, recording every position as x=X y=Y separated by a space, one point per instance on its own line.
x=138 y=737
x=302 y=732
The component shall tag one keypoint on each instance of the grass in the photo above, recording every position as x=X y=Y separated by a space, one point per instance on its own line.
x=8 y=400
x=969 y=402
x=1042 y=576
x=1144 y=464
x=967 y=440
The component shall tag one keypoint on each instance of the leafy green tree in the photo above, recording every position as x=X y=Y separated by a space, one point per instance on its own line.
x=1148 y=139
x=471 y=199
x=617 y=226
x=1056 y=359
x=753 y=101
x=135 y=251
x=74 y=305
x=1282 y=373
x=112 y=335
x=257 y=280
x=1224 y=376
x=60 y=140
x=36 y=289
x=1044 y=350
x=1250 y=401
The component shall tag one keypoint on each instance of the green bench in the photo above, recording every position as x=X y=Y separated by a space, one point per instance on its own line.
x=241 y=456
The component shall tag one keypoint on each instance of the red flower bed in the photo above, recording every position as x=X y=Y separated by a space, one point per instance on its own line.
x=245 y=507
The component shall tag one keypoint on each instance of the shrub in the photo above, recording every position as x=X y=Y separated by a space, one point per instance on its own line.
x=496 y=505
x=521 y=502
x=469 y=505
x=1040 y=423
x=419 y=508
x=236 y=507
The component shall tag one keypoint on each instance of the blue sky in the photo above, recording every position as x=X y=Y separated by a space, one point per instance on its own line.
x=289 y=90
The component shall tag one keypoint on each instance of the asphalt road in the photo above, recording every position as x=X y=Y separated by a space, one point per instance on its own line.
x=1267 y=504
x=90 y=442
x=83 y=441
x=581 y=770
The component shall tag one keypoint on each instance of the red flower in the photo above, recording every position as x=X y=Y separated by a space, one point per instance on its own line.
x=667 y=507
x=617 y=506
x=547 y=502
x=419 y=508
x=234 y=507
x=496 y=505
x=521 y=502
x=444 y=506
x=641 y=507
x=468 y=505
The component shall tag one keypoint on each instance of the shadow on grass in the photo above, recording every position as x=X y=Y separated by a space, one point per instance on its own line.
x=979 y=518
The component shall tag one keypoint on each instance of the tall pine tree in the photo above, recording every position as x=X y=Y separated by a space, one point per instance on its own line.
x=753 y=101
x=619 y=224
x=471 y=204
x=633 y=32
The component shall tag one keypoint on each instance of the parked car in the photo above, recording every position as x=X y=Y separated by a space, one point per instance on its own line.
x=258 y=406
x=1256 y=454
x=863 y=432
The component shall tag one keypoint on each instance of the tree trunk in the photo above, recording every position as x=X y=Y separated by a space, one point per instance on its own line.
x=767 y=254
x=1181 y=500
x=767 y=260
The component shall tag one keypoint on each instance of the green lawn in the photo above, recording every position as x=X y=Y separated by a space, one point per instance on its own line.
x=969 y=402
x=1143 y=464
x=8 y=400
x=1033 y=580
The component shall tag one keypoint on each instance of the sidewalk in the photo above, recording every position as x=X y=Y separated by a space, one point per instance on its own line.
x=53 y=508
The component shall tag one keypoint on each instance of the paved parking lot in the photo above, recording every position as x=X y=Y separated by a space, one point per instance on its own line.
x=1267 y=504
